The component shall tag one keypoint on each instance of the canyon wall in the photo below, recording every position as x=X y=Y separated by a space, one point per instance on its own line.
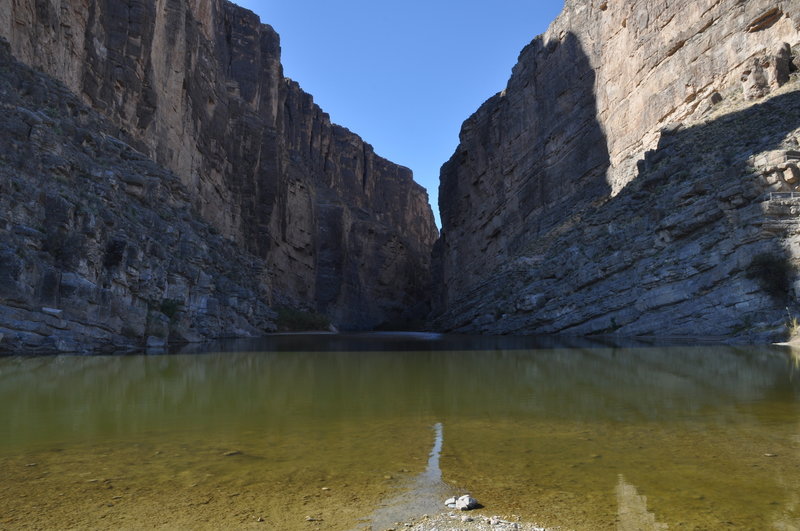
x=100 y=247
x=621 y=182
x=198 y=87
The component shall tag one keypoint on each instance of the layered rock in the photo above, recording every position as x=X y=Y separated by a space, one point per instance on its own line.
x=100 y=248
x=198 y=87
x=608 y=188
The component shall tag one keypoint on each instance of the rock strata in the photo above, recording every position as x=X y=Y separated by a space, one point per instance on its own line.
x=630 y=193
x=198 y=87
x=101 y=248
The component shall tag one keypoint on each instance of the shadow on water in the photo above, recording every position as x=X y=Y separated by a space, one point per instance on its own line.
x=416 y=342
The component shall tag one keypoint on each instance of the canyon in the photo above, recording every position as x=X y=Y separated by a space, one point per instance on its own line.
x=168 y=183
x=163 y=181
x=634 y=178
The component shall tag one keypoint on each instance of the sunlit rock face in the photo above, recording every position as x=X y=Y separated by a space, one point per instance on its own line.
x=198 y=87
x=620 y=183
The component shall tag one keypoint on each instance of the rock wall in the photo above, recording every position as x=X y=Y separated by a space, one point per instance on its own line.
x=198 y=87
x=100 y=248
x=611 y=186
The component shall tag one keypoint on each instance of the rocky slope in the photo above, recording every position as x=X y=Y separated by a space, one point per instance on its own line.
x=621 y=182
x=198 y=87
x=99 y=246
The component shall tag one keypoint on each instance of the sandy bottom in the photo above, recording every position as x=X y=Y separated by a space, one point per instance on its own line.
x=194 y=485
x=644 y=479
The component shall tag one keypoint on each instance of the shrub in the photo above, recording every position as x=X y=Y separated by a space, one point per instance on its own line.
x=296 y=320
x=772 y=273
x=171 y=307
x=115 y=251
x=65 y=248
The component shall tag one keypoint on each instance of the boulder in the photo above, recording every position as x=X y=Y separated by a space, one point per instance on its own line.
x=466 y=503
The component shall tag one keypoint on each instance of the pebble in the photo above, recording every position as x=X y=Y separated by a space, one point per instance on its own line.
x=461 y=522
x=326 y=488
x=232 y=452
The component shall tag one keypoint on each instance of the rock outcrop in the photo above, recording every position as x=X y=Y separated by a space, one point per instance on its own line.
x=198 y=87
x=100 y=248
x=621 y=182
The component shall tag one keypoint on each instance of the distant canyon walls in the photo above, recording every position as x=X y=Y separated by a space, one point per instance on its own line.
x=527 y=156
x=198 y=86
x=568 y=204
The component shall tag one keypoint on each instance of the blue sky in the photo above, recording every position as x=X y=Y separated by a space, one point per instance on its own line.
x=404 y=75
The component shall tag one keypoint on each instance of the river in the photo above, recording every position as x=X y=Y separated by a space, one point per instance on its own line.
x=361 y=431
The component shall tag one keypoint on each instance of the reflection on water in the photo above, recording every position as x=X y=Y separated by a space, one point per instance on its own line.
x=423 y=494
x=633 y=513
x=432 y=472
x=709 y=435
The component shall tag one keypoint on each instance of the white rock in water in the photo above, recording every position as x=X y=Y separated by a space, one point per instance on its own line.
x=466 y=503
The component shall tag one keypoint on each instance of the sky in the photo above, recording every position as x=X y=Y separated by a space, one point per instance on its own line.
x=404 y=75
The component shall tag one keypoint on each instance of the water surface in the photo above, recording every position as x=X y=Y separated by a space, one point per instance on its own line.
x=338 y=432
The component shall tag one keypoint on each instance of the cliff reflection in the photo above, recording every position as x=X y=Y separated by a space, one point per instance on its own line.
x=278 y=390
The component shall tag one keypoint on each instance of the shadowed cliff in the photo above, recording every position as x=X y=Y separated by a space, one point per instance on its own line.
x=643 y=225
x=698 y=244
x=529 y=158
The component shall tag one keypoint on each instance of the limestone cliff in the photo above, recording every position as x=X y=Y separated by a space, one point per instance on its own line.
x=100 y=248
x=197 y=85
x=621 y=182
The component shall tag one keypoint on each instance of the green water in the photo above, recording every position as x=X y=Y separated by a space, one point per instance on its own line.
x=362 y=432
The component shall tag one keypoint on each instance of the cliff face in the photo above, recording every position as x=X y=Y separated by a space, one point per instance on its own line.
x=620 y=183
x=198 y=87
x=100 y=248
